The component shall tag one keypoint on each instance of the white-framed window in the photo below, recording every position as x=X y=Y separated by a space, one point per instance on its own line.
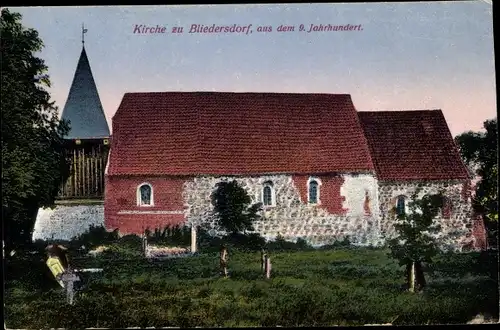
x=313 y=191
x=145 y=195
x=268 y=194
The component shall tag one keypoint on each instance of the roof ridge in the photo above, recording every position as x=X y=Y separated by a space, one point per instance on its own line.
x=400 y=110
x=228 y=92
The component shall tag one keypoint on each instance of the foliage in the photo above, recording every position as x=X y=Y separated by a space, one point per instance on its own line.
x=280 y=244
x=170 y=235
x=233 y=208
x=479 y=151
x=250 y=242
x=33 y=159
x=345 y=242
x=414 y=243
x=95 y=236
x=307 y=288
x=414 y=228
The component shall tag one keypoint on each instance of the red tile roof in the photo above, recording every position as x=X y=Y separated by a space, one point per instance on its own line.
x=189 y=133
x=412 y=145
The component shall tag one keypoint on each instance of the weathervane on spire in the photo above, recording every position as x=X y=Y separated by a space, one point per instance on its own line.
x=84 y=30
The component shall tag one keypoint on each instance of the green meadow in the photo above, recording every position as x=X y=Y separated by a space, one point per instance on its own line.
x=337 y=285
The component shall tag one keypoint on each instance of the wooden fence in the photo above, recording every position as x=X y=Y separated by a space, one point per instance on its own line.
x=87 y=167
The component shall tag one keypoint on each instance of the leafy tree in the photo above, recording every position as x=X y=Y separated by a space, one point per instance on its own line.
x=414 y=243
x=33 y=160
x=480 y=154
x=233 y=208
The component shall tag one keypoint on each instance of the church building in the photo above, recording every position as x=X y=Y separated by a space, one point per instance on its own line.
x=322 y=170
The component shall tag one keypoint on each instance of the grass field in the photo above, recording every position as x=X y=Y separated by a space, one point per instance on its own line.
x=338 y=286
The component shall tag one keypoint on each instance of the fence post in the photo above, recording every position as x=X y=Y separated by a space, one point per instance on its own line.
x=263 y=256
x=268 y=266
x=145 y=245
x=223 y=261
x=193 y=238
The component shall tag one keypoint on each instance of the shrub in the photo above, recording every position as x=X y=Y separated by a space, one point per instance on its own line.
x=280 y=244
x=130 y=241
x=302 y=244
x=170 y=235
x=252 y=242
x=95 y=236
x=345 y=242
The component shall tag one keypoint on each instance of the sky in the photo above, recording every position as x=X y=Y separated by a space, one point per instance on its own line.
x=402 y=56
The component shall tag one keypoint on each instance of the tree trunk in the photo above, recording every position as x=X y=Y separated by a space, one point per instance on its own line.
x=223 y=260
x=415 y=276
x=420 y=278
x=411 y=284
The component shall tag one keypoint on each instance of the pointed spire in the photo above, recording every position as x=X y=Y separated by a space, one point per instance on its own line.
x=83 y=107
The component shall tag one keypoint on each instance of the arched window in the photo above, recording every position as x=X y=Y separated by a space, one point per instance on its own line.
x=313 y=191
x=268 y=198
x=401 y=205
x=145 y=195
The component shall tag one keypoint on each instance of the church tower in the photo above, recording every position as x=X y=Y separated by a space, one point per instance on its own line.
x=80 y=202
x=88 y=139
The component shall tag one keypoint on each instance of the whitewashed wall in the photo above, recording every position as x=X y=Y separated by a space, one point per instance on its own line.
x=291 y=217
x=65 y=222
x=455 y=231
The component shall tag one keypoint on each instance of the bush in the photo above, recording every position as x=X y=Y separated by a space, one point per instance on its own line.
x=207 y=242
x=345 y=242
x=248 y=242
x=170 y=235
x=280 y=244
x=130 y=242
x=251 y=242
x=95 y=236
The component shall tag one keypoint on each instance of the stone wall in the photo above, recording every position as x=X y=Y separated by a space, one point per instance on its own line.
x=456 y=228
x=291 y=216
x=67 y=221
x=351 y=205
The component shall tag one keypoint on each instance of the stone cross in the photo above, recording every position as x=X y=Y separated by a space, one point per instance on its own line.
x=267 y=267
x=68 y=280
x=193 y=238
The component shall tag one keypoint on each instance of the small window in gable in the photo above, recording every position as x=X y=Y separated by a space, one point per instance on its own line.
x=313 y=191
x=145 y=195
x=268 y=197
x=401 y=205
